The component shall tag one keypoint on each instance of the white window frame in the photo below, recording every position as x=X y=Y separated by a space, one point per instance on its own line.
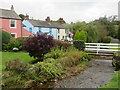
x=15 y=34
x=15 y=23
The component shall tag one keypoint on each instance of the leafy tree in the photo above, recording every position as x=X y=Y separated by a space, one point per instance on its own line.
x=92 y=33
x=76 y=37
x=119 y=33
x=80 y=35
x=22 y=16
x=76 y=26
x=108 y=24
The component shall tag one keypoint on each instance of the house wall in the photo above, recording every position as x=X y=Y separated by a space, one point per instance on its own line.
x=6 y=27
x=28 y=25
x=61 y=34
x=51 y=31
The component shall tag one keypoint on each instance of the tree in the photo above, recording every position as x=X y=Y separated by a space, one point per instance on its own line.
x=80 y=35
x=76 y=37
x=76 y=26
x=119 y=33
x=22 y=16
x=92 y=34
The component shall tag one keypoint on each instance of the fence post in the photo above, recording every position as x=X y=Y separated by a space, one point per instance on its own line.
x=98 y=47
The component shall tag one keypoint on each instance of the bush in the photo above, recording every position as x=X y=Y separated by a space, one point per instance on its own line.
x=62 y=45
x=73 y=58
x=15 y=43
x=5 y=39
x=49 y=70
x=17 y=66
x=107 y=39
x=55 y=53
x=38 y=46
x=80 y=45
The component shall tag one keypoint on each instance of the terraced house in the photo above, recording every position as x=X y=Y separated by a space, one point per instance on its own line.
x=12 y=23
x=57 y=30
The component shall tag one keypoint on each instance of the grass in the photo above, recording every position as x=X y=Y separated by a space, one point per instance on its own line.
x=8 y=56
x=115 y=81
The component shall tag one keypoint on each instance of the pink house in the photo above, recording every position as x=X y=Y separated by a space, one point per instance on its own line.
x=12 y=23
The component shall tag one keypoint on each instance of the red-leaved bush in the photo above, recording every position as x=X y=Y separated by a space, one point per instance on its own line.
x=39 y=45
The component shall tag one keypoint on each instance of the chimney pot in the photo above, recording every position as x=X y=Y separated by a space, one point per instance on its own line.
x=12 y=7
x=27 y=17
x=47 y=19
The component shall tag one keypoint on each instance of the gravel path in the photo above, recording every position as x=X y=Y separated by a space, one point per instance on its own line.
x=98 y=73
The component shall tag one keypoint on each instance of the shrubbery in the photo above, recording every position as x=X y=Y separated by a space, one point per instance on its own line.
x=39 y=45
x=5 y=38
x=62 y=45
x=15 y=43
x=80 y=45
x=107 y=39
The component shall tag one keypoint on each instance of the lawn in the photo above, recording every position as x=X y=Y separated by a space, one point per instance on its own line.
x=8 y=56
x=115 y=81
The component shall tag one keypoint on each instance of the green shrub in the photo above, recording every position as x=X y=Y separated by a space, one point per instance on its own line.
x=80 y=45
x=107 y=39
x=73 y=58
x=5 y=38
x=55 y=53
x=80 y=35
x=62 y=45
x=15 y=43
x=43 y=71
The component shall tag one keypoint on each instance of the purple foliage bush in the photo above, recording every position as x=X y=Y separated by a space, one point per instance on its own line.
x=39 y=45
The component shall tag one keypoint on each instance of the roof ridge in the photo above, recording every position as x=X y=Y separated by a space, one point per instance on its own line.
x=5 y=9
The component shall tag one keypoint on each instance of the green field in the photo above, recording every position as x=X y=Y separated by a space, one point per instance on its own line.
x=8 y=56
x=115 y=81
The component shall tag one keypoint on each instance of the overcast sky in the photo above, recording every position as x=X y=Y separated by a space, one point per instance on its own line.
x=70 y=10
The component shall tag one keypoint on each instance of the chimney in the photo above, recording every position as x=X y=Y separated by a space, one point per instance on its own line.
x=47 y=19
x=61 y=21
x=26 y=17
x=12 y=8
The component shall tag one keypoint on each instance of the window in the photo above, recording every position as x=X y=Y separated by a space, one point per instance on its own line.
x=13 y=23
x=58 y=37
x=63 y=37
x=13 y=35
x=30 y=30
x=58 y=30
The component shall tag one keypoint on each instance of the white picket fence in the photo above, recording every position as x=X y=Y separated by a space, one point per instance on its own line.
x=102 y=47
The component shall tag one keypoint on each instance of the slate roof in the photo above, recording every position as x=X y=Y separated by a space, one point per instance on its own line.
x=40 y=23
x=4 y=13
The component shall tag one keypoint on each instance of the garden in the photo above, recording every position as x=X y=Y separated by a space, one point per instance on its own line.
x=28 y=62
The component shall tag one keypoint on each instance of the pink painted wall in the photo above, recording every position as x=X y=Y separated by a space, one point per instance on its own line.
x=25 y=32
x=6 y=27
